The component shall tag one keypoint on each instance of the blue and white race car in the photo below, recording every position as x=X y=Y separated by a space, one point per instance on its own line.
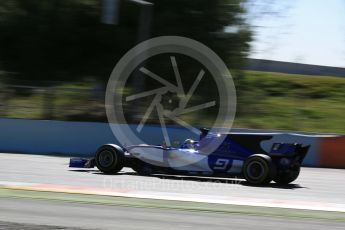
x=238 y=155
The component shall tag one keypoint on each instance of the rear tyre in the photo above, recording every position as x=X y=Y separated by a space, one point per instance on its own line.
x=259 y=169
x=110 y=159
x=288 y=176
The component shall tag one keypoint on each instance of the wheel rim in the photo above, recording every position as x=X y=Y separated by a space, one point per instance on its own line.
x=106 y=158
x=255 y=170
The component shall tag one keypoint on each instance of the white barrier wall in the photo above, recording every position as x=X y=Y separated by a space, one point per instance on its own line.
x=68 y=138
x=83 y=138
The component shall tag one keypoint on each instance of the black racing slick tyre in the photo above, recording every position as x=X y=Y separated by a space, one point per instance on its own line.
x=289 y=176
x=259 y=169
x=110 y=159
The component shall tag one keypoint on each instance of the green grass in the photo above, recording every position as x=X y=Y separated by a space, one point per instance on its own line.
x=265 y=100
x=292 y=102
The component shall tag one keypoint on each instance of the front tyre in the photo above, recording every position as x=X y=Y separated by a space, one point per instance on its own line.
x=110 y=159
x=259 y=169
x=289 y=176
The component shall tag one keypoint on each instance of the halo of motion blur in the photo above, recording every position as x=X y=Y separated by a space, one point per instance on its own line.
x=171 y=45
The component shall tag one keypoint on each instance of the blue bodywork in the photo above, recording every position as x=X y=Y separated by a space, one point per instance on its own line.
x=231 y=150
x=234 y=149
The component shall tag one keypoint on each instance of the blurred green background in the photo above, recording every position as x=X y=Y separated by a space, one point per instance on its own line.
x=56 y=57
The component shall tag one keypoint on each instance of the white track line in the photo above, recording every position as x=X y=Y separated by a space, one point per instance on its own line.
x=269 y=203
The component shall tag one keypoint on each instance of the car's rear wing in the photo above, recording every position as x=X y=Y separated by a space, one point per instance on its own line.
x=298 y=151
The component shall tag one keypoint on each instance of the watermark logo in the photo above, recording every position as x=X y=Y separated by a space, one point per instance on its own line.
x=170 y=101
x=172 y=184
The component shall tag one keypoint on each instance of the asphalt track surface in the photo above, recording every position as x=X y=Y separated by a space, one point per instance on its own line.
x=20 y=214
x=315 y=185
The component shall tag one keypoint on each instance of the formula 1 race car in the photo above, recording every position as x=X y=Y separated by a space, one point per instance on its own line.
x=238 y=155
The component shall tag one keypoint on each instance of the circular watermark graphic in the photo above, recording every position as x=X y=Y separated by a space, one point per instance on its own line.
x=170 y=101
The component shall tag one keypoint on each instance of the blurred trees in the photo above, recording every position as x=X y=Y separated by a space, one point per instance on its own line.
x=62 y=40
x=219 y=24
x=55 y=40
